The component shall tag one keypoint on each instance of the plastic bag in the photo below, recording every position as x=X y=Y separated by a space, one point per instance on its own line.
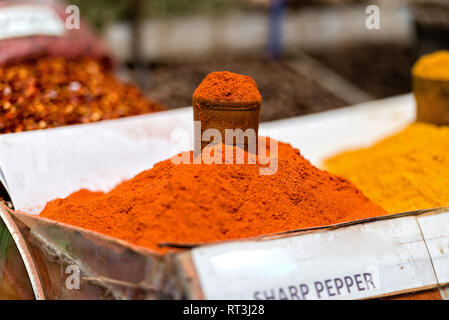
x=30 y=29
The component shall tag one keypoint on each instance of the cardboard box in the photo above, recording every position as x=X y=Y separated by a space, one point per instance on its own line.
x=364 y=259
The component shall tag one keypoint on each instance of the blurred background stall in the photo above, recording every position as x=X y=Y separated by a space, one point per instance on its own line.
x=306 y=56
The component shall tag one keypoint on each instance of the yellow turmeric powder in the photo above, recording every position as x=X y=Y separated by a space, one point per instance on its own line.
x=434 y=66
x=407 y=171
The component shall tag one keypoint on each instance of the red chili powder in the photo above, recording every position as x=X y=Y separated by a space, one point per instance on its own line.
x=198 y=203
x=225 y=86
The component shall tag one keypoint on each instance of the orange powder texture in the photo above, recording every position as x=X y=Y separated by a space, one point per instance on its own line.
x=197 y=203
x=226 y=86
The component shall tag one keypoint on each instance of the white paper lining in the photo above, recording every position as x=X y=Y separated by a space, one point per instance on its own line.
x=39 y=166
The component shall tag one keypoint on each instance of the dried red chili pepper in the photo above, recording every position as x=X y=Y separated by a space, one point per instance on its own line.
x=52 y=92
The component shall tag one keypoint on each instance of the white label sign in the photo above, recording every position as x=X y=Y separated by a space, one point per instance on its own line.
x=28 y=20
x=435 y=229
x=354 y=262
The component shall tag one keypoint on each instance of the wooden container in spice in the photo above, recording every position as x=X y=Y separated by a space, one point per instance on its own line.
x=226 y=100
x=431 y=87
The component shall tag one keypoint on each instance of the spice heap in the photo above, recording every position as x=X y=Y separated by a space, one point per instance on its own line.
x=434 y=66
x=225 y=86
x=197 y=203
x=407 y=171
x=52 y=92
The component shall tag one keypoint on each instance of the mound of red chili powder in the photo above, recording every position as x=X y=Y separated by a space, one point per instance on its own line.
x=225 y=86
x=197 y=203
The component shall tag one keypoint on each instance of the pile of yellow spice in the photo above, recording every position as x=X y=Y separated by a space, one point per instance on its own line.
x=433 y=66
x=409 y=170
x=404 y=172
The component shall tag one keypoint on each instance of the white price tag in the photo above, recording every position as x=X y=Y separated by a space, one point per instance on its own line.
x=28 y=20
x=360 y=261
x=435 y=229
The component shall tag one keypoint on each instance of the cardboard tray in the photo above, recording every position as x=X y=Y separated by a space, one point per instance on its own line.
x=407 y=253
